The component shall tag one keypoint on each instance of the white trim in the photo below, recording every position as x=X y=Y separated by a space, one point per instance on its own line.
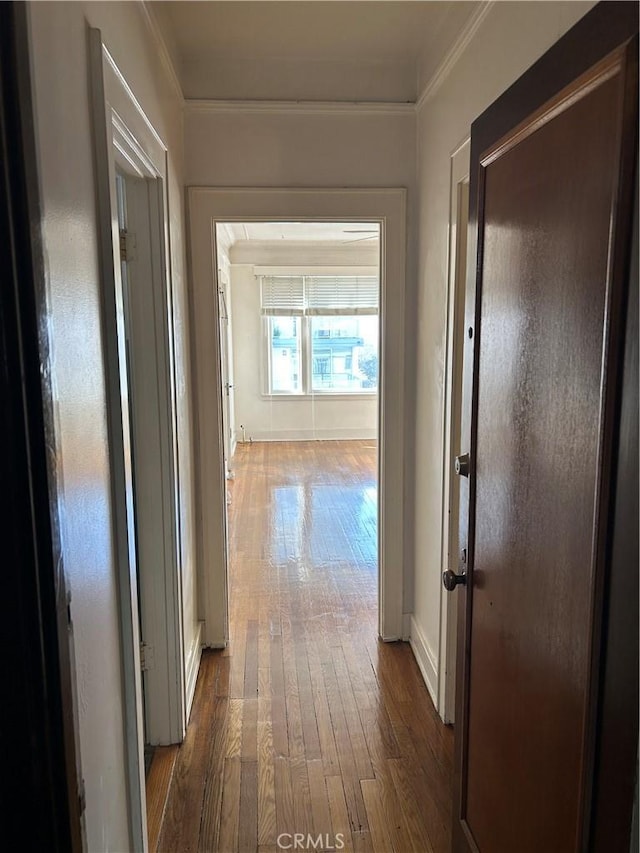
x=342 y=434
x=194 y=105
x=459 y=174
x=119 y=447
x=152 y=406
x=124 y=135
x=163 y=50
x=426 y=660
x=454 y=53
x=406 y=626
x=386 y=206
x=193 y=665
x=126 y=104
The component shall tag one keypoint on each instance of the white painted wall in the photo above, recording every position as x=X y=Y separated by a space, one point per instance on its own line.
x=59 y=45
x=510 y=39
x=278 y=418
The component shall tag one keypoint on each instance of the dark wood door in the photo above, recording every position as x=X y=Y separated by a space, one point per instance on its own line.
x=552 y=178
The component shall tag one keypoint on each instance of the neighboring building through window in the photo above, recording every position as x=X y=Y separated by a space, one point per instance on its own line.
x=322 y=334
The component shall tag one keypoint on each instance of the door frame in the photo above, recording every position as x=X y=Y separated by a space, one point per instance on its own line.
x=154 y=450
x=608 y=791
x=226 y=366
x=208 y=206
x=456 y=286
x=124 y=137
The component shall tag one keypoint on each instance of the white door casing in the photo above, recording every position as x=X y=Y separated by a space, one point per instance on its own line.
x=226 y=364
x=208 y=205
x=454 y=347
x=125 y=139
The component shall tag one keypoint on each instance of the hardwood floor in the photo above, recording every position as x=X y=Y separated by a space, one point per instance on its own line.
x=307 y=723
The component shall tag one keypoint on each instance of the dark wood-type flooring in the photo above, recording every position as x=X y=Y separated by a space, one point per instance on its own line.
x=307 y=723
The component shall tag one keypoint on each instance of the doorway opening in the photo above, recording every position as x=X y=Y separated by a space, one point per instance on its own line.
x=385 y=208
x=299 y=325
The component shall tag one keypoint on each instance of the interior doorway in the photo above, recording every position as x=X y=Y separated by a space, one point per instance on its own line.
x=386 y=207
x=299 y=321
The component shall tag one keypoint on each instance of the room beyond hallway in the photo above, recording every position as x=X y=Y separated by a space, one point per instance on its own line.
x=307 y=723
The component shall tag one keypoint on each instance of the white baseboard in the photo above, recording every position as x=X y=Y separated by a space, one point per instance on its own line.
x=312 y=434
x=193 y=665
x=406 y=626
x=426 y=660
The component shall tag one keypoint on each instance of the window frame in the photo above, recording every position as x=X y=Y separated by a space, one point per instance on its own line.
x=307 y=392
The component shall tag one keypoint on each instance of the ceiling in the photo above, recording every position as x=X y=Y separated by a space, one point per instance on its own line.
x=340 y=50
x=305 y=232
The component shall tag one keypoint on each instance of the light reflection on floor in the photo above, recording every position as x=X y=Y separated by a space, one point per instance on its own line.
x=317 y=523
x=320 y=524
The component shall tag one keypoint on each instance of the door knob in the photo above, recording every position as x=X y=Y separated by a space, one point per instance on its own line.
x=450 y=580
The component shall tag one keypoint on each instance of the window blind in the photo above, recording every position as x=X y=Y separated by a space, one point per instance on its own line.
x=318 y=295
x=283 y=295
x=341 y=294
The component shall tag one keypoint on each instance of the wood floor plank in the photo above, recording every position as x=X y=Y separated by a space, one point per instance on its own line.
x=285 y=817
x=233 y=743
x=338 y=810
x=266 y=777
x=302 y=811
x=158 y=782
x=319 y=798
x=249 y=749
x=352 y=717
x=230 y=806
x=248 y=814
x=251 y=661
x=212 y=794
x=412 y=804
x=306 y=722
x=346 y=759
x=181 y=824
x=377 y=820
x=326 y=737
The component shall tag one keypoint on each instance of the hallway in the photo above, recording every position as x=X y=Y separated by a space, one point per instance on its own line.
x=306 y=723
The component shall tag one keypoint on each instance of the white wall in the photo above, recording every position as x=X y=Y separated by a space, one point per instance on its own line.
x=62 y=110
x=278 y=418
x=510 y=39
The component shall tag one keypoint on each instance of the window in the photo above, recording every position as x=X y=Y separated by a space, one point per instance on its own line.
x=284 y=342
x=322 y=334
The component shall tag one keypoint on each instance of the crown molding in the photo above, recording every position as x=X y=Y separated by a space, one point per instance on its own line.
x=299 y=107
x=457 y=49
x=163 y=50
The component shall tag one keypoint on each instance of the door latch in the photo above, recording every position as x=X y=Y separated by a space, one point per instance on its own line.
x=462 y=465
